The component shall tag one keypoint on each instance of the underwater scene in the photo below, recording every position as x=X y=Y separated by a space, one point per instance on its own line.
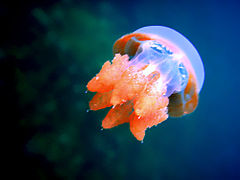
x=120 y=89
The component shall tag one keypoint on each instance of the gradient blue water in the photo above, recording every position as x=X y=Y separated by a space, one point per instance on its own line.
x=71 y=42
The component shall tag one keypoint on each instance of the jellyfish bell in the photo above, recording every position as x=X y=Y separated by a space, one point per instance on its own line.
x=156 y=72
x=181 y=47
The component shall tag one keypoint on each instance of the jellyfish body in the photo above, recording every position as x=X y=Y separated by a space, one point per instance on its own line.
x=156 y=72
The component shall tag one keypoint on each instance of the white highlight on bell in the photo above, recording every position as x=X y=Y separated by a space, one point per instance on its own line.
x=177 y=56
x=160 y=86
x=151 y=68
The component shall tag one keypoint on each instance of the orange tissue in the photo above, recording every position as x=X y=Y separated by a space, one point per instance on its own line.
x=156 y=72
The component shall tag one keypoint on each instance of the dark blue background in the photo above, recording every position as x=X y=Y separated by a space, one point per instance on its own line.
x=50 y=50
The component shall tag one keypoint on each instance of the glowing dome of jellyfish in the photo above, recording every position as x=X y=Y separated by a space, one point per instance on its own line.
x=156 y=72
x=183 y=44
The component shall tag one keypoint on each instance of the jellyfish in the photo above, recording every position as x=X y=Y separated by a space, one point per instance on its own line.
x=155 y=73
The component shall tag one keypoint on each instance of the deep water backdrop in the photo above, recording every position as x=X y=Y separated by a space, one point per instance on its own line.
x=49 y=50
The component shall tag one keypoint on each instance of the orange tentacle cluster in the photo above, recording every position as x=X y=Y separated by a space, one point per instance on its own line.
x=137 y=97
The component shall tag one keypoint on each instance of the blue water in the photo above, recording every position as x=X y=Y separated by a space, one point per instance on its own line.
x=65 y=45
